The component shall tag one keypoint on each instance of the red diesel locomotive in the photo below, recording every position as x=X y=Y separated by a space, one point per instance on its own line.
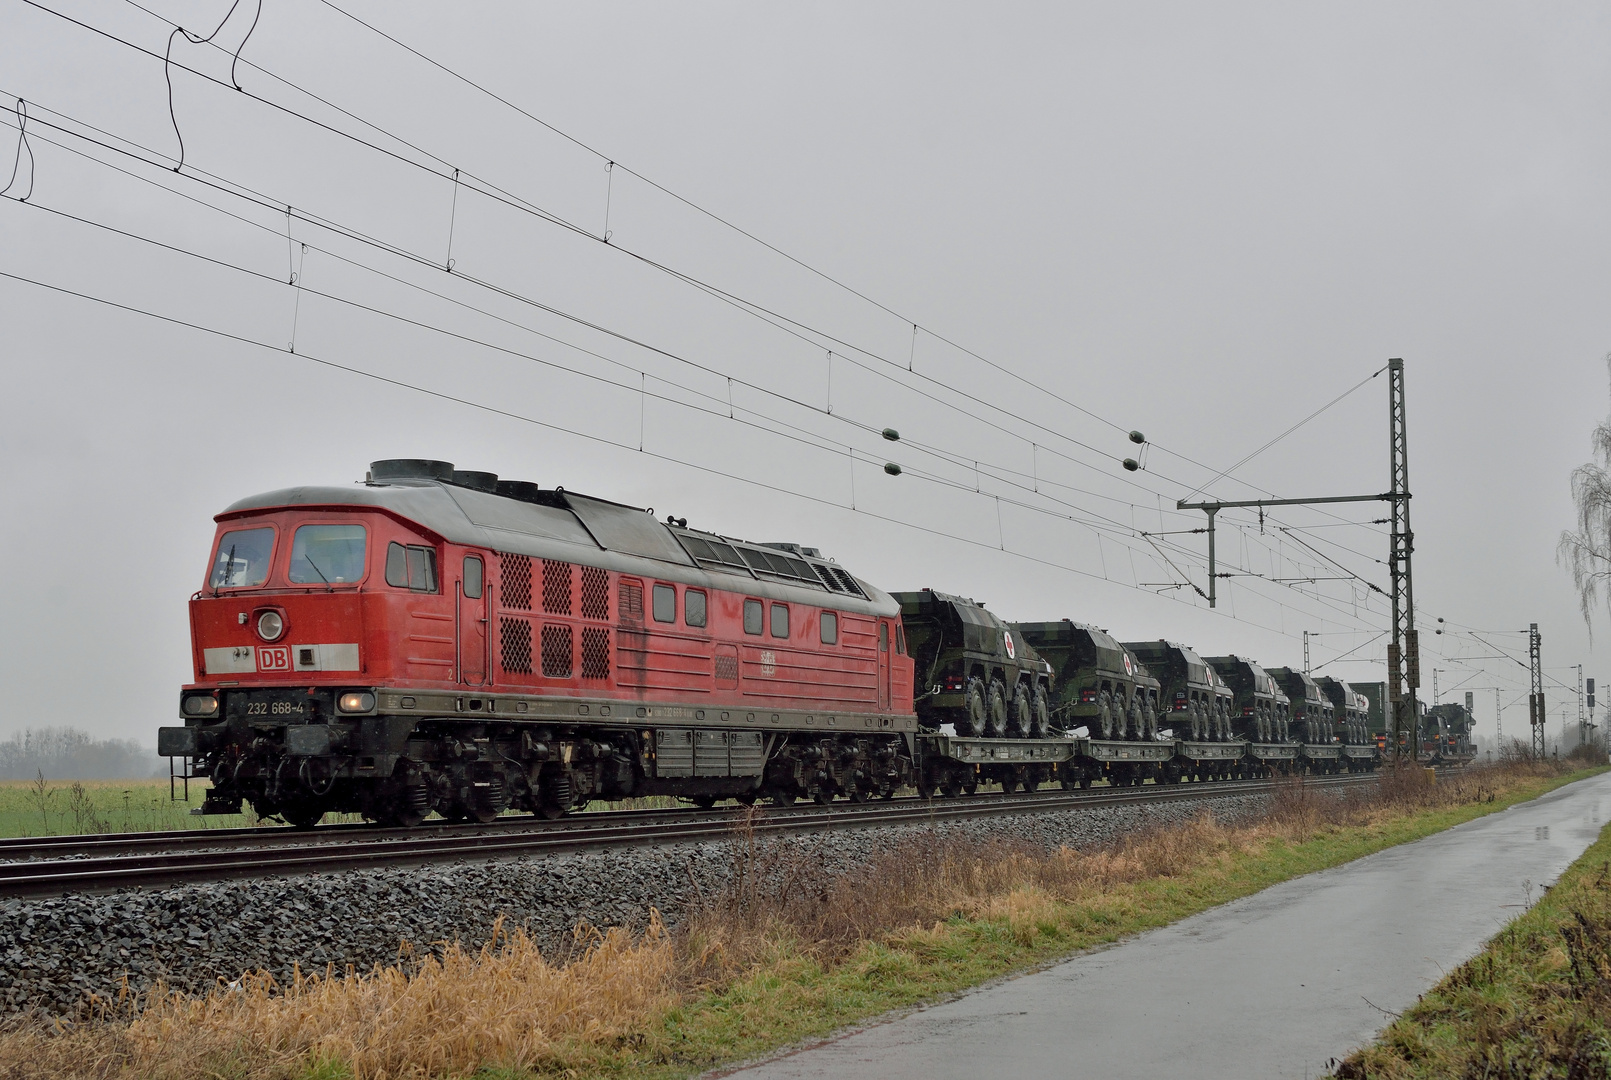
x=436 y=639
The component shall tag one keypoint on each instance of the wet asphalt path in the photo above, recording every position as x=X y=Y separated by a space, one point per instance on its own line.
x=1272 y=985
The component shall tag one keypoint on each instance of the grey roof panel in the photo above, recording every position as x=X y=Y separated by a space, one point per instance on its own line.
x=628 y=529
x=465 y=516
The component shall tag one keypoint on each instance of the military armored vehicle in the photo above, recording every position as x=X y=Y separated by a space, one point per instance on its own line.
x=972 y=670
x=1446 y=734
x=1259 y=703
x=1190 y=702
x=1350 y=710
x=1311 y=716
x=1096 y=683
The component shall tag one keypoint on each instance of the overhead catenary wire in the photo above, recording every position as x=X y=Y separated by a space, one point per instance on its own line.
x=230 y=187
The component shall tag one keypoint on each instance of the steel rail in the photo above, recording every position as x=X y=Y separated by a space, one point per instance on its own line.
x=99 y=873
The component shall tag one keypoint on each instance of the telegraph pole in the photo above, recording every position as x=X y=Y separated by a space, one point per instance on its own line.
x=1404 y=653
x=1535 y=698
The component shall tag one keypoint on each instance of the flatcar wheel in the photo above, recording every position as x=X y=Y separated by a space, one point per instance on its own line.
x=1008 y=785
x=1029 y=787
x=302 y=815
x=971 y=788
x=822 y=797
x=747 y=798
x=704 y=802
x=1085 y=783
x=950 y=789
x=782 y=797
x=552 y=811
x=925 y=791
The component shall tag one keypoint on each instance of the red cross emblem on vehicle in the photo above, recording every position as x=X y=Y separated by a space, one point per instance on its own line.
x=1129 y=666
x=1007 y=637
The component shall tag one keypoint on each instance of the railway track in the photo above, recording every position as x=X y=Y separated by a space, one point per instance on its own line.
x=47 y=866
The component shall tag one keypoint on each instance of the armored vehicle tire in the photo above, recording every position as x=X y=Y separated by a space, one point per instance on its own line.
x=1022 y=724
x=975 y=721
x=1042 y=719
x=996 y=714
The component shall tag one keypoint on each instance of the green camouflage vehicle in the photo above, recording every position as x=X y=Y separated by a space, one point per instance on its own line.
x=1193 y=704
x=1350 y=710
x=1097 y=683
x=1311 y=718
x=972 y=670
x=1259 y=714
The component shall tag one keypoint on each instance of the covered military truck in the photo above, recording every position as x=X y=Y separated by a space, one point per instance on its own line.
x=1096 y=683
x=971 y=670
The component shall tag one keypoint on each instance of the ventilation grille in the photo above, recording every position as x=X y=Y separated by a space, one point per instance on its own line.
x=595 y=652
x=556 y=587
x=631 y=603
x=516 y=582
x=726 y=669
x=595 y=595
x=557 y=650
x=514 y=639
x=837 y=579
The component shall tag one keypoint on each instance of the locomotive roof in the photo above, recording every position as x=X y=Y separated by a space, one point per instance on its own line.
x=567 y=526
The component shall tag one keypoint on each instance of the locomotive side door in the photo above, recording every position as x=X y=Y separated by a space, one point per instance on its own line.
x=472 y=619
x=883 y=664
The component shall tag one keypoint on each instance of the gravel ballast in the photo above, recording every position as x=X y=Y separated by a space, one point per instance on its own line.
x=54 y=952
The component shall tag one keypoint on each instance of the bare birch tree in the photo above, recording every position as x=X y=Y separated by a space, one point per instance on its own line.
x=1586 y=551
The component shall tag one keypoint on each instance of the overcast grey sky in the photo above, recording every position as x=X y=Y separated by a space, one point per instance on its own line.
x=1200 y=221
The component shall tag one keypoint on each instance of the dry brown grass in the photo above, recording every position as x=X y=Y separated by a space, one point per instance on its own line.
x=507 y=1005
x=449 y=1015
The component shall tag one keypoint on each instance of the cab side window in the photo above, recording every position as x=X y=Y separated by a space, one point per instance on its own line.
x=752 y=616
x=412 y=567
x=780 y=620
x=829 y=625
x=472 y=577
x=693 y=607
x=665 y=603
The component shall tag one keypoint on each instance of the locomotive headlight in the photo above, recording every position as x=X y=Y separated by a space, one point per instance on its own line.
x=358 y=701
x=199 y=705
x=270 y=626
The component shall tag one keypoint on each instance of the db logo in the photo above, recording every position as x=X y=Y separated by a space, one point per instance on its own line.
x=769 y=663
x=274 y=658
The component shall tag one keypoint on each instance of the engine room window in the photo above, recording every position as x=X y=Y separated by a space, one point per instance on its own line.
x=243 y=559
x=900 y=639
x=752 y=616
x=472 y=577
x=883 y=637
x=412 y=567
x=780 y=620
x=693 y=607
x=665 y=603
x=830 y=628
x=327 y=555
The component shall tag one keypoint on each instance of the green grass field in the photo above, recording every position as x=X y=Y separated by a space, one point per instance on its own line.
x=70 y=807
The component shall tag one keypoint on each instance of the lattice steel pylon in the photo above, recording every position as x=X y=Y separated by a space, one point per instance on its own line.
x=1404 y=653
x=1535 y=699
